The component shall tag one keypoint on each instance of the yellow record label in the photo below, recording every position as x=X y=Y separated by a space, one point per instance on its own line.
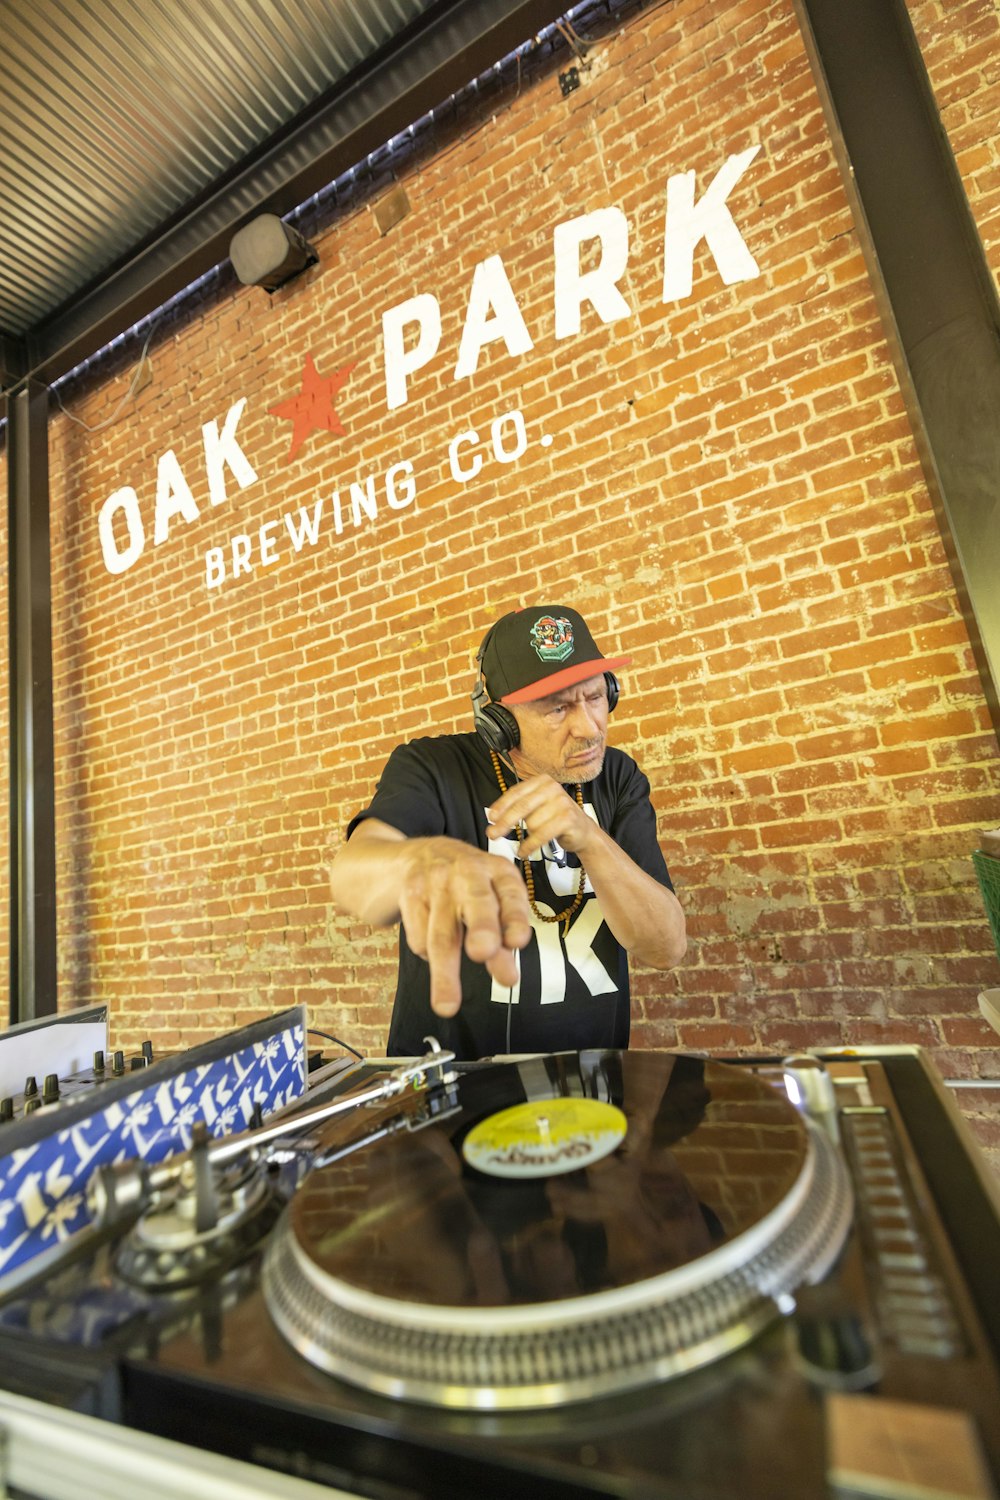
x=542 y=1138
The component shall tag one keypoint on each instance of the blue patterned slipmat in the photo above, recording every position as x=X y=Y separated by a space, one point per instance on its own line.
x=48 y=1156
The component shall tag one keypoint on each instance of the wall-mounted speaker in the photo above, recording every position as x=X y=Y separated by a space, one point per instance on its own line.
x=267 y=252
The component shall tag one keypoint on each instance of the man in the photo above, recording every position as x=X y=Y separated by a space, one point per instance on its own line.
x=521 y=859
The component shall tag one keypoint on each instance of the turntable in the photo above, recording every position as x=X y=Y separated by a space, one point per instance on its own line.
x=600 y=1273
x=568 y=1227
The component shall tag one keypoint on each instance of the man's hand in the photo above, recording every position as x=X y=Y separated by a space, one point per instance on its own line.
x=547 y=812
x=448 y=895
x=644 y=916
x=454 y=896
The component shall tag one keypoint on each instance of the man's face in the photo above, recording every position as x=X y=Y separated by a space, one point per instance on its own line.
x=563 y=736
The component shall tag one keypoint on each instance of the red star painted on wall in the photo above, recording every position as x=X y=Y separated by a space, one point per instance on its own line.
x=312 y=409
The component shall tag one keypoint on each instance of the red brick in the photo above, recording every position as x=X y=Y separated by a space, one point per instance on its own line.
x=721 y=1036
x=967 y=1031
x=794 y=1036
x=932 y=727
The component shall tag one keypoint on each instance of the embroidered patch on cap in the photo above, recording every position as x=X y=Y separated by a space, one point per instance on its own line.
x=552 y=638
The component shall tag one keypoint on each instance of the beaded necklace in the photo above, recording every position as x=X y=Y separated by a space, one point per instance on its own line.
x=529 y=879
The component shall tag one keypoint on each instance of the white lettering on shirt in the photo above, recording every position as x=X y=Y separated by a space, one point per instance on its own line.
x=558 y=952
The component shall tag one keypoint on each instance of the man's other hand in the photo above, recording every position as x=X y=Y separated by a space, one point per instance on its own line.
x=547 y=814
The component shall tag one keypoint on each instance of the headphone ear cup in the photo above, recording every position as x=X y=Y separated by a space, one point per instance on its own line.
x=613 y=687
x=495 y=725
x=498 y=728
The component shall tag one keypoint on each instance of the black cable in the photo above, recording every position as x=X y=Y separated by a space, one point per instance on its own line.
x=311 y=1031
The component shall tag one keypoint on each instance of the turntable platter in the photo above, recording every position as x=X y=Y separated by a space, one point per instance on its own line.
x=568 y=1226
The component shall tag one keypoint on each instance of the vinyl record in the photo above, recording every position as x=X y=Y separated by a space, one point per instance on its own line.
x=561 y=1226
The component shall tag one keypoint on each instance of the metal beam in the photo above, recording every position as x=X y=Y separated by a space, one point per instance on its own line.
x=32 y=783
x=13 y=361
x=935 y=291
x=454 y=43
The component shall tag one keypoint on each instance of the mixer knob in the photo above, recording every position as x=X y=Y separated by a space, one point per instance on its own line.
x=50 y=1089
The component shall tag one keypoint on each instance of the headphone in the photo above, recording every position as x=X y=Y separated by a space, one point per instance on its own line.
x=496 y=725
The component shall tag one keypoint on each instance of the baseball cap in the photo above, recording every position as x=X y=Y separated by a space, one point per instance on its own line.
x=541 y=650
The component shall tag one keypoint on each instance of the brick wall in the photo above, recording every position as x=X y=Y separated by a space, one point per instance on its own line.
x=731 y=494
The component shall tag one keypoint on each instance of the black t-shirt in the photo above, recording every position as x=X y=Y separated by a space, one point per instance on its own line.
x=573 y=991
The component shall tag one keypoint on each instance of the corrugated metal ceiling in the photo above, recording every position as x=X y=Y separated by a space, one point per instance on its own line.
x=116 y=115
